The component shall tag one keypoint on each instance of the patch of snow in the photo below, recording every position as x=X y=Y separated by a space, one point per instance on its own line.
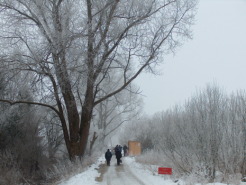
x=87 y=177
x=148 y=174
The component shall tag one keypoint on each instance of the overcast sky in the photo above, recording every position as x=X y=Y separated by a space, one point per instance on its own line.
x=217 y=53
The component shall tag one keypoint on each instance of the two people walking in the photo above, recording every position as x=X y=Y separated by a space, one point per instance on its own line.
x=118 y=154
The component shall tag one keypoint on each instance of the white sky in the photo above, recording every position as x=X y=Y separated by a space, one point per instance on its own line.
x=217 y=53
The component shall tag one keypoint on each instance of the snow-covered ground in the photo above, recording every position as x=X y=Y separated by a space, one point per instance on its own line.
x=129 y=173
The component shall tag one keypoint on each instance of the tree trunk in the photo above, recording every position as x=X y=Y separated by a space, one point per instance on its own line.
x=79 y=148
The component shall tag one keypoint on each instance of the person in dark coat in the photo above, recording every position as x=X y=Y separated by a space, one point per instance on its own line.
x=125 y=149
x=116 y=148
x=118 y=155
x=108 y=156
x=120 y=147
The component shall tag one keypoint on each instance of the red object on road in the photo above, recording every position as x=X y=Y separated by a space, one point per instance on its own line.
x=166 y=171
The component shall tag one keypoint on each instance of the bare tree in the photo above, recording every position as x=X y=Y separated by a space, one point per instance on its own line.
x=71 y=46
x=204 y=136
x=236 y=135
x=114 y=112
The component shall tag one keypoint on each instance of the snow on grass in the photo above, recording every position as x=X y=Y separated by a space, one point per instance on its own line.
x=87 y=177
x=147 y=173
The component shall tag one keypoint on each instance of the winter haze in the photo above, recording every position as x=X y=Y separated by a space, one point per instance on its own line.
x=216 y=54
x=69 y=92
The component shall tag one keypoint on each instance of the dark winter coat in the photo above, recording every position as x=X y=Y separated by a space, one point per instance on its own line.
x=108 y=155
x=118 y=154
x=120 y=147
x=125 y=148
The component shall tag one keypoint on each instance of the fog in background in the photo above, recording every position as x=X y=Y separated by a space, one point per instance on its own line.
x=216 y=54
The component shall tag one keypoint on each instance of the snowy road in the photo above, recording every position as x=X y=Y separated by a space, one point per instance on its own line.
x=128 y=173
x=120 y=175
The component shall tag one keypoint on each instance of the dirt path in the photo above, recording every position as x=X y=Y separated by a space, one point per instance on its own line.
x=113 y=174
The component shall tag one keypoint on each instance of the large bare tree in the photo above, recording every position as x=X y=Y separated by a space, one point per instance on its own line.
x=70 y=47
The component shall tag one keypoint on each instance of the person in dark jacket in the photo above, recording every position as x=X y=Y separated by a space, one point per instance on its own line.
x=125 y=149
x=120 y=147
x=108 y=156
x=118 y=155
